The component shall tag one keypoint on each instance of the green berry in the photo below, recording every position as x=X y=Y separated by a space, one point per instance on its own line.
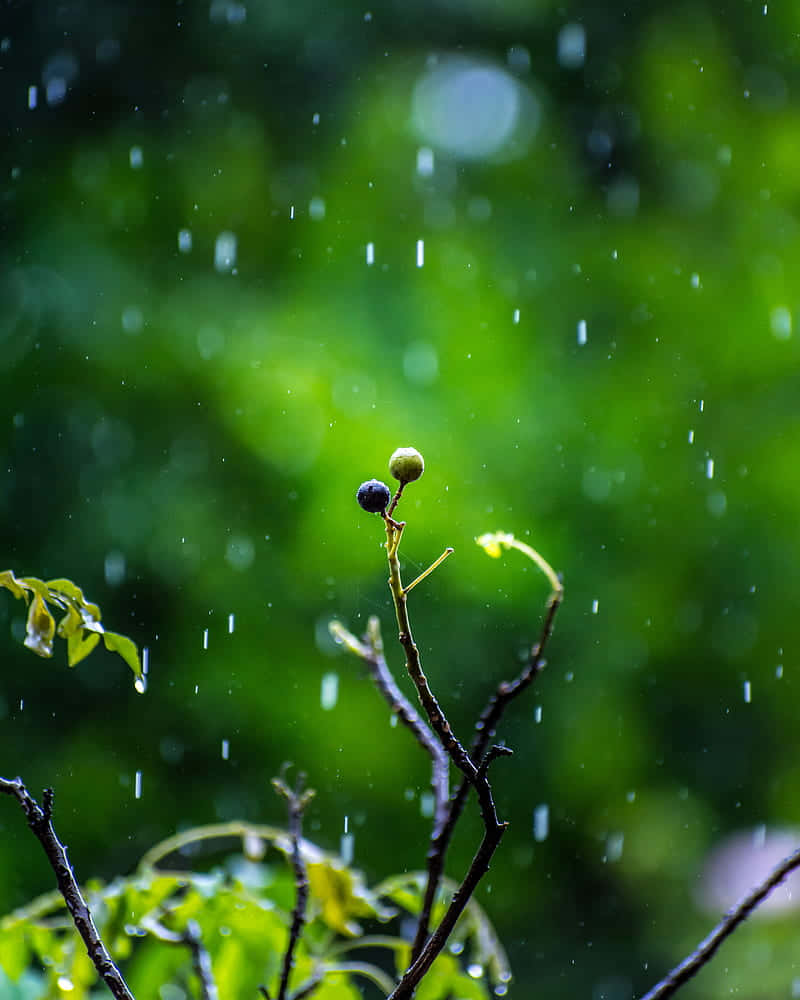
x=373 y=496
x=406 y=464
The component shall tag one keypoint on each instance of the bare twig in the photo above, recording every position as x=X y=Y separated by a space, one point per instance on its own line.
x=704 y=952
x=436 y=716
x=474 y=774
x=485 y=728
x=40 y=822
x=192 y=938
x=296 y=801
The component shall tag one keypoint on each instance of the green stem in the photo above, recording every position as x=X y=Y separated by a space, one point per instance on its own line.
x=438 y=721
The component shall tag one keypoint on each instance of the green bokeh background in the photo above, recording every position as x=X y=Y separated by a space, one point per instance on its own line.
x=185 y=440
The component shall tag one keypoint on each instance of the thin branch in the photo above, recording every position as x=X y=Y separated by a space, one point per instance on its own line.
x=296 y=800
x=474 y=774
x=370 y=650
x=436 y=716
x=410 y=717
x=438 y=562
x=493 y=834
x=192 y=938
x=485 y=728
x=40 y=822
x=704 y=952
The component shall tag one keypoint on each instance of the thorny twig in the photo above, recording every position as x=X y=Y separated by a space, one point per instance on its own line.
x=40 y=821
x=705 y=951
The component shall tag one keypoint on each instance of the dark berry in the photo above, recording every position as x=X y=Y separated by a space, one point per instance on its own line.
x=373 y=496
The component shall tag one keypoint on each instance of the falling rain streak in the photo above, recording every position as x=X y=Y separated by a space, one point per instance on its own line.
x=346 y=848
x=541 y=823
x=420 y=253
x=581 y=332
x=205 y=638
x=226 y=749
x=709 y=468
x=137 y=785
x=329 y=691
x=747 y=692
x=231 y=623
x=370 y=254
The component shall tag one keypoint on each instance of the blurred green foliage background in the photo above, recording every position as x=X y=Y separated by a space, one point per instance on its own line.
x=217 y=319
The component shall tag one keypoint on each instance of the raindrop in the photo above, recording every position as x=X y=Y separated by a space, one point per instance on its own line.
x=184 y=240
x=702 y=405
x=65 y=984
x=225 y=252
x=595 y=606
x=421 y=363
x=346 y=848
x=475 y=970
x=346 y=823
x=132 y=319
x=582 y=331
x=205 y=638
x=370 y=254
x=140 y=685
x=694 y=281
x=33 y=96
x=691 y=437
x=137 y=786
x=146 y=661
x=329 y=692
x=779 y=671
x=518 y=59
x=226 y=749
x=291 y=211
x=420 y=253
x=426 y=804
x=572 y=46
x=614 y=845
x=709 y=468
x=716 y=504
x=425 y=161
x=541 y=823
x=135 y=157
x=114 y=568
x=515 y=317
x=537 y=713
x=747 y=692
x=780 y=321
x=240 y=552
x=231 y=624
x=315 y=118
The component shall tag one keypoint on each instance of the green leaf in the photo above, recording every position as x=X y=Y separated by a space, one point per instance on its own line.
x=126 y=648
x=79 y=646
x=41 y=627
x=10 y=582
x=74 y=593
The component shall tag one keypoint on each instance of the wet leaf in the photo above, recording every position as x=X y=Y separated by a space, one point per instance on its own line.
x=41 y=628
x=126 y=648
x=10 y=582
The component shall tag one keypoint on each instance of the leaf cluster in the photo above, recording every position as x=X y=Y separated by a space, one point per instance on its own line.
x=80 y=624
x=242 y=906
